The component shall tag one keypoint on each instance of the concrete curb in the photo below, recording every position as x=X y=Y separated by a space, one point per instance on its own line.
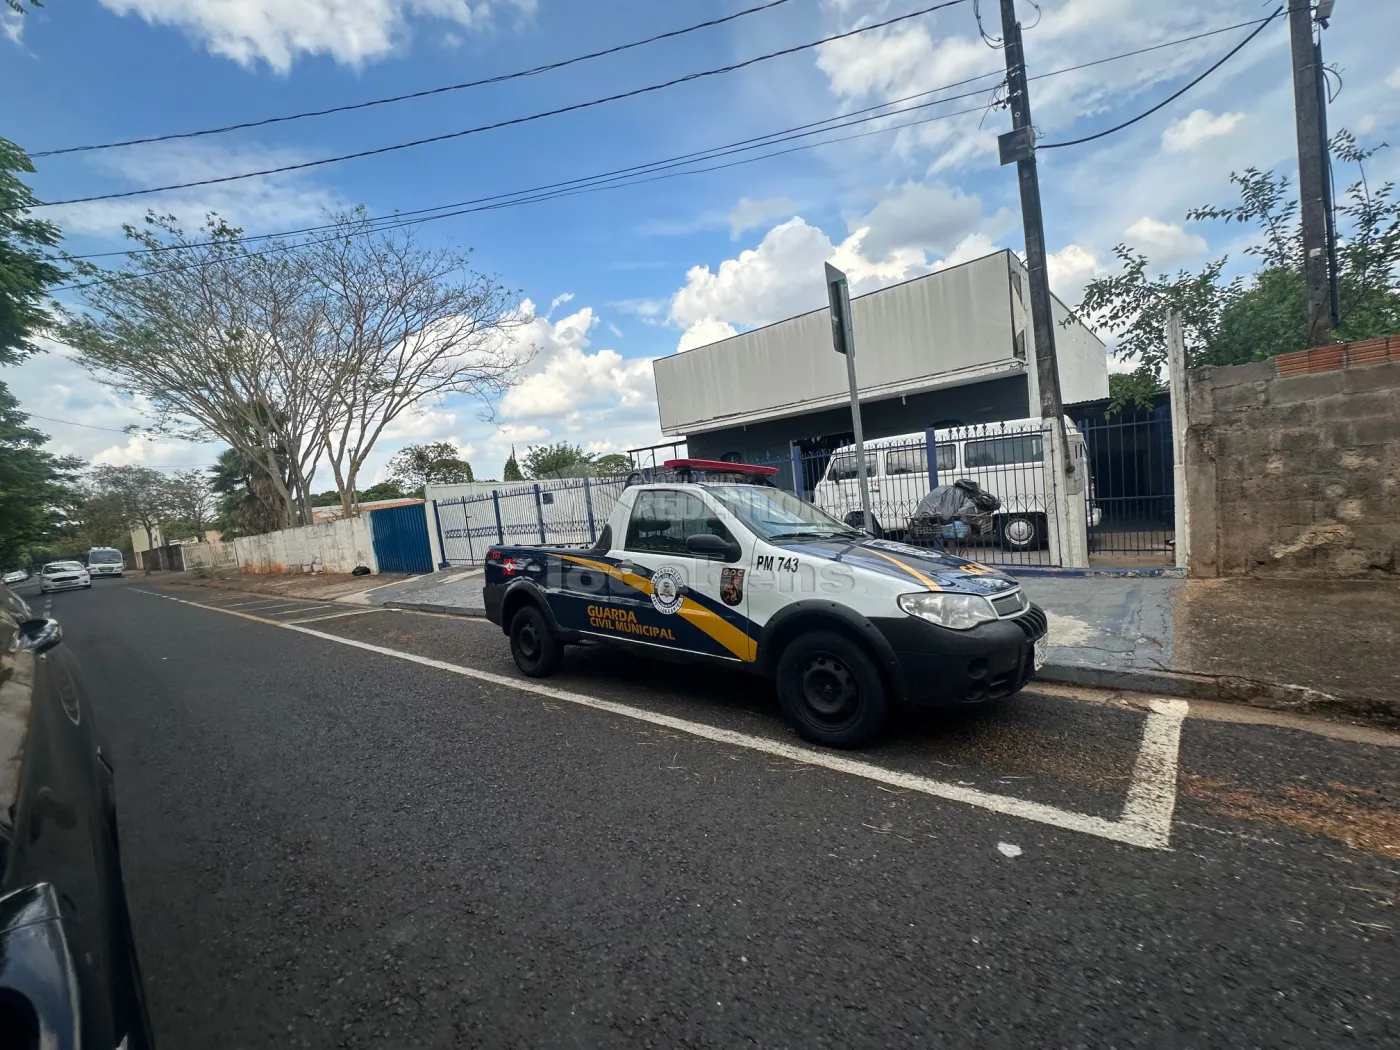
x=1274 y=696
x=442 y=610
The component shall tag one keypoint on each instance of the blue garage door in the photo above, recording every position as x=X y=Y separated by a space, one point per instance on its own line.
x=401 y=539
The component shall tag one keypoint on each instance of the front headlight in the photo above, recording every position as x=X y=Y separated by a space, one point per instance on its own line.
x=961 y=612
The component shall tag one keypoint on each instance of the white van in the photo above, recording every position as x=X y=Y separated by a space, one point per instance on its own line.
x=105 y=561
x=1005 y=459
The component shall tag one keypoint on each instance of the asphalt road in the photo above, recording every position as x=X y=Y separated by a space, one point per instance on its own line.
x=330 y=846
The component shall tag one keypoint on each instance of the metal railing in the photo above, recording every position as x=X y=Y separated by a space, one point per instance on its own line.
x=569 y=512
x=1130 y=462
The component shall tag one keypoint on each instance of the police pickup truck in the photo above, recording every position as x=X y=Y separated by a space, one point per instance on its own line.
x=708 y=560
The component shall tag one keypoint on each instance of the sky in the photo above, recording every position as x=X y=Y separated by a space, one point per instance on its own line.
x=614 y=279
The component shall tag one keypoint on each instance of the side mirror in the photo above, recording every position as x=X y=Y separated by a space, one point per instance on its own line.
x=39 y=636
x=708 y=545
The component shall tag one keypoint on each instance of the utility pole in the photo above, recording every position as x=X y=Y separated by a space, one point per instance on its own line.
x=1018 y=146
x=1312 y=171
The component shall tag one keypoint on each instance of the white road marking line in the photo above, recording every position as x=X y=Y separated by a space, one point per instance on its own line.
x=336 y=616
x=1149 y=807
x=1152 y=791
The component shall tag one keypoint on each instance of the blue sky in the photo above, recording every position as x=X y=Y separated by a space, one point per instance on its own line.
x=620 y=277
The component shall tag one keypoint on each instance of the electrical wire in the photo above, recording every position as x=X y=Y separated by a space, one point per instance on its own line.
x=511 y=122
x=534 y=71
x=1170 y=98
x=757 y=141
x=70 y=423
x=588 y=185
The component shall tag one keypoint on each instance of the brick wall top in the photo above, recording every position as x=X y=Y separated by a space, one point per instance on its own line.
x=1342 y=355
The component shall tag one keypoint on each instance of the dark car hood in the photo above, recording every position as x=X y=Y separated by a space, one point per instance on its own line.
x=909 y=563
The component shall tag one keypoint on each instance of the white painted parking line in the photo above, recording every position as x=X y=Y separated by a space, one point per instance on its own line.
x=336 y=616
x=1147 y=814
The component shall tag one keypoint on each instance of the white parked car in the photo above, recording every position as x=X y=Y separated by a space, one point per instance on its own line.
x=18 y=576
x=64 y=576
x=1005 y=459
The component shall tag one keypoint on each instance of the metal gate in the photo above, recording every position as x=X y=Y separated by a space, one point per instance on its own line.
x=1130 y=464
x=401 y=539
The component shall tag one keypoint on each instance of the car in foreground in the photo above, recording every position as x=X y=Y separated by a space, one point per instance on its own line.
x=69 y=977
x=708 y=561
x=64 y=576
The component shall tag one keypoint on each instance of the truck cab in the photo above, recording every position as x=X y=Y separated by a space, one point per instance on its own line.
x=709 y=561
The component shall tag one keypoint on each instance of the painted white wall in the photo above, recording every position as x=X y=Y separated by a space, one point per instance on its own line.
x=337 y=546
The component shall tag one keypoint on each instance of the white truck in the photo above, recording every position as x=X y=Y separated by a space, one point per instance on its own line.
x=1005 y=459
x=711 y=562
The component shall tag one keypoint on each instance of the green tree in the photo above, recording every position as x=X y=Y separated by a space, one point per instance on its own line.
x=511 y=471
x=384 y=490
x=1250 y=318
x=191 y=505
x=27 y=270
x=434 y=463
x=560 y=460
x=612 y=463
x=247 y=503
x=144 y=494
x=34 y=485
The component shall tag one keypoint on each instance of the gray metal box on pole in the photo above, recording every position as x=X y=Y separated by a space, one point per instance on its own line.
x=844 y=340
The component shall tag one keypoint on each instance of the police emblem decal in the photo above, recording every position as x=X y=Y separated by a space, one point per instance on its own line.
x=731 y=586
x=667 y=585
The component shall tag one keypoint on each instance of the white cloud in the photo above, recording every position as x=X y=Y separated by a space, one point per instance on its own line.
x=271 y=202
x=913 y=229
x=11 y=25
x=1071 y=269
x=569 y=384
x=1164 y=243
x=749 y=213
x=1394 y=79
x=705 y=331
x=1197 y=128
x=278 y=31
x=559 y=300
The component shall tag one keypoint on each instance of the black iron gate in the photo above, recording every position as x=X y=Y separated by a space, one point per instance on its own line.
x=1132 y=509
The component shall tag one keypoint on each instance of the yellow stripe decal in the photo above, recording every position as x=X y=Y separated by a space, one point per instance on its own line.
x=907 y=568
x=717 y=627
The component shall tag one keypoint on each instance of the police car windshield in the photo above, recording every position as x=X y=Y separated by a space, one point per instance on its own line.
x=777 y=515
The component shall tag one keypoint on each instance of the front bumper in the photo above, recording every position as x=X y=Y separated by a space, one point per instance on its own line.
x=64 y=585
x=115 y=570
x=939 y=667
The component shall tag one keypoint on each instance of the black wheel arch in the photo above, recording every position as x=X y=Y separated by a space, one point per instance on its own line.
x=521 y=593
x=817 y=614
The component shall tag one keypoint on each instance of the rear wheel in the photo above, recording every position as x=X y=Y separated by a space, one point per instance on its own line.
x=1021 y=532
x=831 y=690
x=536 y=651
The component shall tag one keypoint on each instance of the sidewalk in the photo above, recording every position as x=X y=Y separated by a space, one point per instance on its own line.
x=1328 y=647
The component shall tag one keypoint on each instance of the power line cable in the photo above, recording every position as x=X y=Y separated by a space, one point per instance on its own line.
x=513 y=121
x=71 y=423
x=759 y=140
x=567 y=189
x=1170 y=98
x=756 y=142
x=534 y=71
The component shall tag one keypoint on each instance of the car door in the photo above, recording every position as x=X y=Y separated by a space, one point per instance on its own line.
x=664 y=594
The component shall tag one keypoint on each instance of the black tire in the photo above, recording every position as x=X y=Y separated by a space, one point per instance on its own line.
x=831 y=691
x=1020 y=532
x=536 y=651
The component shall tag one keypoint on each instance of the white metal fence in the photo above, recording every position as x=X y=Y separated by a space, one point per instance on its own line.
x=209 y=556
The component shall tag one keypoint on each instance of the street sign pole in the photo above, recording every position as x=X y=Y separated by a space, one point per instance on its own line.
x=844 y=341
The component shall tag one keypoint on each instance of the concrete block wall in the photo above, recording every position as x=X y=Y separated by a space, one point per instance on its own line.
x=337 y=546
x=1294 y=475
